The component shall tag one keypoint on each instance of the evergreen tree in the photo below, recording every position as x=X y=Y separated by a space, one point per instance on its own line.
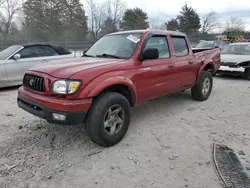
x=109 y=26
x=189 y=20
x=51 y=20
x=172 y=25
x=134 y=19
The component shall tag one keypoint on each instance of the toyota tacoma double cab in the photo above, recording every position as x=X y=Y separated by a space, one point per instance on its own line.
x=119 y=71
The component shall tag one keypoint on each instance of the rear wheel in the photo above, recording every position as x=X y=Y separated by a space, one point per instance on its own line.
x=203 y=89
x=108 y=119
x=247 y=73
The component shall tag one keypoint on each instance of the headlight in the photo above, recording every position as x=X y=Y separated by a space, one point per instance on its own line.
x=66 y=86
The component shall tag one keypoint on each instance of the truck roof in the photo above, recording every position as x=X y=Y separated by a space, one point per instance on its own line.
x=153 y=31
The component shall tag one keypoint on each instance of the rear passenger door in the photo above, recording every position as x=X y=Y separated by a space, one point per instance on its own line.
x=186 y=68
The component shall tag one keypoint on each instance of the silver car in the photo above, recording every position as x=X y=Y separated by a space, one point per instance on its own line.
x=235 y=60
x=15 y=60
x=211 y=44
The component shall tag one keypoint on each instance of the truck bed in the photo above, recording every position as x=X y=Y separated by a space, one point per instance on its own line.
x=204 y=54
x=196 y=50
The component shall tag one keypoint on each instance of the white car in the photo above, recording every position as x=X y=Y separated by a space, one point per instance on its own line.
x=15 y=60
x=235 y=60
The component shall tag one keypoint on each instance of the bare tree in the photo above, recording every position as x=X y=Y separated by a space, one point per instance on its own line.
x=1 y=2
x=210 y=22
x=235 y=24
x=97 y=16
x=116 y=11
x=9 y=10
x=104 y=16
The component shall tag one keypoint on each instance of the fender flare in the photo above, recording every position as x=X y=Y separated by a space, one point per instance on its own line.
x=201 y=69
x=95 y=87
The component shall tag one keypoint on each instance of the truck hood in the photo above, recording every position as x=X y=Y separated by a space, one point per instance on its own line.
x=68 y=67
x=234 y=58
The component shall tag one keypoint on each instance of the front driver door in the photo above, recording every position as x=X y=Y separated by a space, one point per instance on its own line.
x=15 y=68
x=154 y=77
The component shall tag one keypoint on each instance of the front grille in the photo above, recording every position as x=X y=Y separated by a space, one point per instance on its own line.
x=35 y=83
x=229 y=167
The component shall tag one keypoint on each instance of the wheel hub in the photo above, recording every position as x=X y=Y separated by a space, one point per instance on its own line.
x=206 y=86
x=114 y=119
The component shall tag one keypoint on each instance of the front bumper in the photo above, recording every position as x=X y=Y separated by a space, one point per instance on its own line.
x=230 y=70
x=44 y=106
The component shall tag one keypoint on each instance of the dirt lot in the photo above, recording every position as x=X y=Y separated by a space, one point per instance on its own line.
x=168 y=144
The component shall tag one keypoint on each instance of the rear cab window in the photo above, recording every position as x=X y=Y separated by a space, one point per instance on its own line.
x=180 y=46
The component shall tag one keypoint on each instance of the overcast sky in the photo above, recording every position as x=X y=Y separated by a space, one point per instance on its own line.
x=163 y=9
x=173 y=7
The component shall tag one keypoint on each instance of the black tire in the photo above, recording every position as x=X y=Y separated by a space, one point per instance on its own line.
x=95 y=119
x=197 y=90
x=247 y=73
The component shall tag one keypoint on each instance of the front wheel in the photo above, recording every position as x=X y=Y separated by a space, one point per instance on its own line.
x=108 y=119
x=203 y=89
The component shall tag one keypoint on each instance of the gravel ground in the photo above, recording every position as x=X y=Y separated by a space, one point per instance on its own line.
x=168 y=144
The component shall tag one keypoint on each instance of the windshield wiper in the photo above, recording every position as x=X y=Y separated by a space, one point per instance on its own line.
x=86 y=55
x=108 y=55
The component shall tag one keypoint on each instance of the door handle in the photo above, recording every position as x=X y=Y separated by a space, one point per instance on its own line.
x=45 y=61
x=171 y=65
x=190 y=62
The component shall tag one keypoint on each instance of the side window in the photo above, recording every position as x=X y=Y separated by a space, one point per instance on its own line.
x=159 y=42
x=45 y=51
x=28 y=52
x=180 y=46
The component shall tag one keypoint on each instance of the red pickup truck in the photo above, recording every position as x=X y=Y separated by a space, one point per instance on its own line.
x=119 y=71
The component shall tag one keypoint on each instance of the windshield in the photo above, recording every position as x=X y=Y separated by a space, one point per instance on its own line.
x=241 y=49
x=115 y=46
x=8 y=51
x=205 y=44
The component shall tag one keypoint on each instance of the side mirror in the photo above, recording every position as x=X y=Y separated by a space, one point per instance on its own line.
x=17 y=56
x=150 y=53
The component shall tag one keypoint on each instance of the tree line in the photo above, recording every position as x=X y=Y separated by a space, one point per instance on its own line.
x=57 y=20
